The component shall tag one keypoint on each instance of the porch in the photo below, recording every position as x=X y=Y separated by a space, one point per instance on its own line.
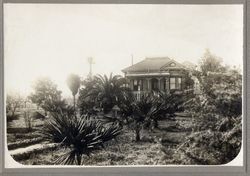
x=139 y=94
x=165 y=84
x=144 y=85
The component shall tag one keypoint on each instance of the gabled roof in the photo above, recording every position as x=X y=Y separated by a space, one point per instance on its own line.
x=153 y=64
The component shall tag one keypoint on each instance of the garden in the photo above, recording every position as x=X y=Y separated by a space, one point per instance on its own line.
x=105 y=125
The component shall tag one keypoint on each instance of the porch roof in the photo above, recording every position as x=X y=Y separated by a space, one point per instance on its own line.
x=147 y=74
x=154 y=64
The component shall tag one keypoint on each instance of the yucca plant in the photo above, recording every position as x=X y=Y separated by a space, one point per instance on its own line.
x=79 y=134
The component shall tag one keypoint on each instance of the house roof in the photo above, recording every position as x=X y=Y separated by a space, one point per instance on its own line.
x=153 y=64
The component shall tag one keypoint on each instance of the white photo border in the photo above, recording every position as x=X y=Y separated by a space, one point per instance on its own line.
x=138 y=170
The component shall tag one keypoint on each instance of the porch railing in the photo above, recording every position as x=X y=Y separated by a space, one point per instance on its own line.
x=139 y=94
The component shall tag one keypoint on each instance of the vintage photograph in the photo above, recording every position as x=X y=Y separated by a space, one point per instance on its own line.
x=123 y=84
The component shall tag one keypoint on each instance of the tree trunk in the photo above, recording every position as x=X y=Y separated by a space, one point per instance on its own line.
x=79 y=159
x=137 y=135
x=74 y=99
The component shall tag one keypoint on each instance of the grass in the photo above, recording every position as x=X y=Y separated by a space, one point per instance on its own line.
x=122 y=153
x=156 y=148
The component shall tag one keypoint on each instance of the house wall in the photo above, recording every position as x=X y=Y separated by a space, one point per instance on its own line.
x=146 y=82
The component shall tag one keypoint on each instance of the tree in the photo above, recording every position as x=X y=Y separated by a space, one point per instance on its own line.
x=210 y=63
x=13 y=101
x=74 y=82
x=216 y=117
x=28 y=119
x=46 y=95
x=104 y=91
x=141 y=114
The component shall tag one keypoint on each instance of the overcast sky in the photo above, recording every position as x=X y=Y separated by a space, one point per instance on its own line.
x=56 y=39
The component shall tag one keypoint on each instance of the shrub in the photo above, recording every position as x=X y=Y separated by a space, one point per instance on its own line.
x=212 y=147
x=216 y=115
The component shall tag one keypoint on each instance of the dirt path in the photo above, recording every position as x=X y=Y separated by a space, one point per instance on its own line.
x=24 y=153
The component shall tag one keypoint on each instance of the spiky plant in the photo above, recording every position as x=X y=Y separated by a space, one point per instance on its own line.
x=80 y=135
x=142 y=113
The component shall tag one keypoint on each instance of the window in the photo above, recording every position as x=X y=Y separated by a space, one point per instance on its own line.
x=178 y=83
x=175 y=83
x=172 y=83
x=137 y=85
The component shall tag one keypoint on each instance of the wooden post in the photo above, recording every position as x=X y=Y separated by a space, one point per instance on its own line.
x=167 y=84
x=159 y=83
x=148 y=80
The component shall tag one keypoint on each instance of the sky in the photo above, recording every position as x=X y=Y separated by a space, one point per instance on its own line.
x=55 y=40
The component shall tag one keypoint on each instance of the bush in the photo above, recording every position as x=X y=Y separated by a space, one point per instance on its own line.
x=216 y=115
x=212 y=147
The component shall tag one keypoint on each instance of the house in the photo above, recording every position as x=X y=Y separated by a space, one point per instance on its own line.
x=157 y=74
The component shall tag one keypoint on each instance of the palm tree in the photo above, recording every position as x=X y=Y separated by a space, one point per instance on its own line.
x=74 y=82
x=108 y=91
x=140 y=114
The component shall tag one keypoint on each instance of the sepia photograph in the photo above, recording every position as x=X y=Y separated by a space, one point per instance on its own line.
x=123 y=84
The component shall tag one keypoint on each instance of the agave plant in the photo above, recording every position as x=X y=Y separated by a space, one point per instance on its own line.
x=80 y=135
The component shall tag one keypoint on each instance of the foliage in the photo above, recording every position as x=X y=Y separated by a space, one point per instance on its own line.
x=145 y=113
x=212 y=147
x=188 y=82
x=87 y=104
x=103 y=92
x=28 y=119
x=222 y=94
x=46 y=95
x=80 y=135
x=173 y=102
x=13 y=101
x=216 y=116
x=210 y=63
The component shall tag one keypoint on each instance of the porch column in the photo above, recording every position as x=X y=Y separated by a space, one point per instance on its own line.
x=149 y=82
x=167 y=84
x=131 y=84
x=159 y=83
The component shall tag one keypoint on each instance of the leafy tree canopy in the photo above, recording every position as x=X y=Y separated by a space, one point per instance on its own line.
x=103 y=92
x=210 y=63
x=46 y=95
